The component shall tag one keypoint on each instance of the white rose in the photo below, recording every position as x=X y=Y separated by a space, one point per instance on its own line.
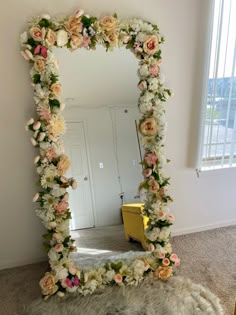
x=153 y=84
x=164 y=233
x=145 y=107
x=23 y=38
x=61 y=272
x=139 y=267
x=109 y=275
x=45 y=16
x=62 y=38
x=53 y=256
x=144 y=71
x=153 y=234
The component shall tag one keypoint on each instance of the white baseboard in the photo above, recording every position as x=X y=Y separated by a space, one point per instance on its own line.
x=21 y=262
x=200 y=228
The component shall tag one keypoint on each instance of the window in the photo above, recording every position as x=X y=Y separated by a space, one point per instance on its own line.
x=218 y=149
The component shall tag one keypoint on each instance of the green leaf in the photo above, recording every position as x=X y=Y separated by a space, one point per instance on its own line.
x=31 y=42
x=46 y=246
x=53 y=78
x=115 y=15
x=47 y=236
x=36 y=78
x=54 y=103
x=88 y=21
x=116 y=266
x=44 y=23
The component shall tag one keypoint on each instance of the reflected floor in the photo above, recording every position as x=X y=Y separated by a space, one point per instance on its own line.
x=97 y=245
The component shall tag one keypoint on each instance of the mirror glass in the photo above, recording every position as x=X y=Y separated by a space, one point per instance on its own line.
x=101 y=140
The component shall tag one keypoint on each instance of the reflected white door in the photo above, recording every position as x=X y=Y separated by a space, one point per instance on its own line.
x=80 y=199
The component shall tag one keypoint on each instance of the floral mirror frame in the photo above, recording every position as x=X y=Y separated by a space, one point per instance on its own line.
x=143 y=40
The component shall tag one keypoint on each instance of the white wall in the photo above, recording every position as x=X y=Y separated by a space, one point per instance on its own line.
x=204 y=202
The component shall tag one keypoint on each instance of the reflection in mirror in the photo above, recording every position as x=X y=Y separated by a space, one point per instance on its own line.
x=100 y=92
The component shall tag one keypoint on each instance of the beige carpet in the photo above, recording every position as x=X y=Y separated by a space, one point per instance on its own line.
x=208 y=258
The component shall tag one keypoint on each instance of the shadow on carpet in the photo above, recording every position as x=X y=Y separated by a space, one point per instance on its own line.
x=178 y=296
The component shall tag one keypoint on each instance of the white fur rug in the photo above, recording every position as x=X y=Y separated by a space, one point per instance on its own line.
x=178 y=296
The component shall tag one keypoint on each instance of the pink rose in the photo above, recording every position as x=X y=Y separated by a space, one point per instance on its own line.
x=170 y=218
x=161 y=215
x=76 y=281
x=37 y=125
x=86 y=42
x=44 y=52
x=37 y=33
x=177 y=263
x=58 y=248
x=160 y=254
x=142 y=85
x=165 y=262
x=147 y=172
x=153 y=186
x=154 y=70
x=174 y=257
x=61 y=207
x=150 y=159
x=51 y=154
x=150 y=46
x=37 y=49
x=72 y=269
x=74 y=184
x=67 y=283
x=118 y=278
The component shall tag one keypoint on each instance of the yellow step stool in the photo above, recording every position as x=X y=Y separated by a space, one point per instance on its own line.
x=134 y=222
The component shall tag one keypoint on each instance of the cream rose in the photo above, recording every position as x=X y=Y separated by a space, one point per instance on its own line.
x=76 y=41
x=48 y=284
x=51 y=38
x=73 y=25
x=37 y=33
x=112 y=38
x=108 y=23
x=63 y=165
x=62 y=38
x=148 y=127
x=150 y=46
x=56 y=89
x=39 y=64
x=56 y=125
x=163 y=272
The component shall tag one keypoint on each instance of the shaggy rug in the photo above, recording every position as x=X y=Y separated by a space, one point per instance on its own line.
x=178 y=296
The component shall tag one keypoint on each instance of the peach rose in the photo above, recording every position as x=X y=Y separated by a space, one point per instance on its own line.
x=108 y=23
x=39 y=64
x=112 y=38
x=154 y=70
x=150 y=159
x=166 y=261
x=51 y=38
x=63 y=165
x=147 y=172
x=142 y=85
x=56 y=89
x=58 y=248
x=37 y=33
x=73 y=25
x=150 y=46
x=76 y=41
x=118 y=278
x=61 y=207
x=153 y=186
x=48 y=284
x=163 y=272
x=149 y=127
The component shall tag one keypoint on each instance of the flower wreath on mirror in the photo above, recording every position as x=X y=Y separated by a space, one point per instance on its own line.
x=143 y=40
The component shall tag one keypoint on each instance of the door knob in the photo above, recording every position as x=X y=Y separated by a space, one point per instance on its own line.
x=85 y=178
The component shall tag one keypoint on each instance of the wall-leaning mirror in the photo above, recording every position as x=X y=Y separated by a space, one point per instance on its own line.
x=103 y=146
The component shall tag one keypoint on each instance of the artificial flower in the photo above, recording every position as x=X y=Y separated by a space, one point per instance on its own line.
x=108 y=23
x=48 y=284
x=37 y=33
x=150 y=46
x=62 y=38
